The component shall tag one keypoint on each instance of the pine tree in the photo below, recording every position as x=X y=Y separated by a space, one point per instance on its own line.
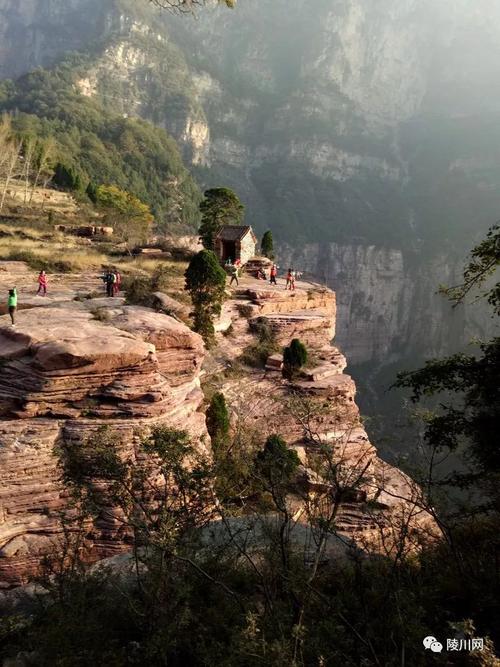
x=218 y=419
x=221 y=206
x=206 y=283
x=294 y=357
x=267 y=245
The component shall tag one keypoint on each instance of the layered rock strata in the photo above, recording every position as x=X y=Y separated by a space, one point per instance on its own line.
x=318 y=408
x=66 y=370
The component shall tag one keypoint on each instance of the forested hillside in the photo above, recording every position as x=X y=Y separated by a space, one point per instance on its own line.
x=103 y=147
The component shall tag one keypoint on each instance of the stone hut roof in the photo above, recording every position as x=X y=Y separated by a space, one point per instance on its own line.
x=235 y=233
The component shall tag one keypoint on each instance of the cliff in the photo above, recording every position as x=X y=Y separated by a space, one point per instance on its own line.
x=71 y=367
x=67 y=369
x=361 y=134
x=316 y=410
x=389 y=307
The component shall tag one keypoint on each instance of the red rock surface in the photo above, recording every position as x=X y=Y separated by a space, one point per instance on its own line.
x=65 y=370
x=386 y=497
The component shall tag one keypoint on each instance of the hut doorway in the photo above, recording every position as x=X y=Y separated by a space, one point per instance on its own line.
x=229 y=250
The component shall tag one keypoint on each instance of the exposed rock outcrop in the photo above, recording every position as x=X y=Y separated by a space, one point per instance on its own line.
x=68 y=369
x=318 y=408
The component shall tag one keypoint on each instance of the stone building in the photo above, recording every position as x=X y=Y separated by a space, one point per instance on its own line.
x=235 y=242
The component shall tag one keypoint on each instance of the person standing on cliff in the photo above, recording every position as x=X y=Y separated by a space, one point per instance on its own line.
x=233 y=272
x=42 y=283
x=273 y=274
x=118 y=282
x=12 y=304
x=289 y=279
x=110 y=281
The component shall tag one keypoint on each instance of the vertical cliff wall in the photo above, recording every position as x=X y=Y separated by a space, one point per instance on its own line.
x=388 y=301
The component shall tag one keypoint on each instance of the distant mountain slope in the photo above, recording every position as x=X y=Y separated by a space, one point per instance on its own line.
x=102 y=146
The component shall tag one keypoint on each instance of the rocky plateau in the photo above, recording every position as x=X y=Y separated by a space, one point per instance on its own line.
x=69 y=367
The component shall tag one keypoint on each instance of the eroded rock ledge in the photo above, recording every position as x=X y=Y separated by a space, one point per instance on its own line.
x=67 y=369
x=319 y=408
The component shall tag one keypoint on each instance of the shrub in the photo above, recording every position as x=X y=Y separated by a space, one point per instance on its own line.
x=256 y=355
x=294 y=357
x=138 y=290
x=218 y=420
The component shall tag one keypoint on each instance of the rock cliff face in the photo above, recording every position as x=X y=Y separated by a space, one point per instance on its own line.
x=387 y=300
x=316 y=410
x=68 y=369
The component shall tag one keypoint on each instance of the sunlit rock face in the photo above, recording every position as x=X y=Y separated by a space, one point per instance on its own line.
x=65 y=373
x=317 y=407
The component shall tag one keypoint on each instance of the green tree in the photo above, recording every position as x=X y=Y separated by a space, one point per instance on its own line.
x=267 y=245
x=220 y=206
x=218 y=419
x=467 y=420
x=206 y=283
x=67 y=177
x=91 y=192
x=276 y=466
x=294 y=357
x=129 y=216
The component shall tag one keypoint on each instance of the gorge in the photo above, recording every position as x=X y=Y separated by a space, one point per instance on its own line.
x=201 y=462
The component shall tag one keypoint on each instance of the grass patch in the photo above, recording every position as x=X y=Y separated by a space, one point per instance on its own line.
x=256 y=355
x=53 y=253
x=164 y=277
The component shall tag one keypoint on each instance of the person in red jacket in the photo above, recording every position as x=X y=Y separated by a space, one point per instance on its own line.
x=273 y=274
x=42 y=283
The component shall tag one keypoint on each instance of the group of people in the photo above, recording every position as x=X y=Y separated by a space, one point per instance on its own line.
x=260 y=274
x=291 y=276
x=12 y=298
x=112 y=281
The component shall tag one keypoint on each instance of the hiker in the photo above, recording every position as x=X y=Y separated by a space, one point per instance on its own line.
x=292 y=280
x=12 y=303
x=42 y=283
x=110 y=281
x=273 y=274
x=233 y=272
x=104 y=278
x=118 y=282
x=288 y=278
